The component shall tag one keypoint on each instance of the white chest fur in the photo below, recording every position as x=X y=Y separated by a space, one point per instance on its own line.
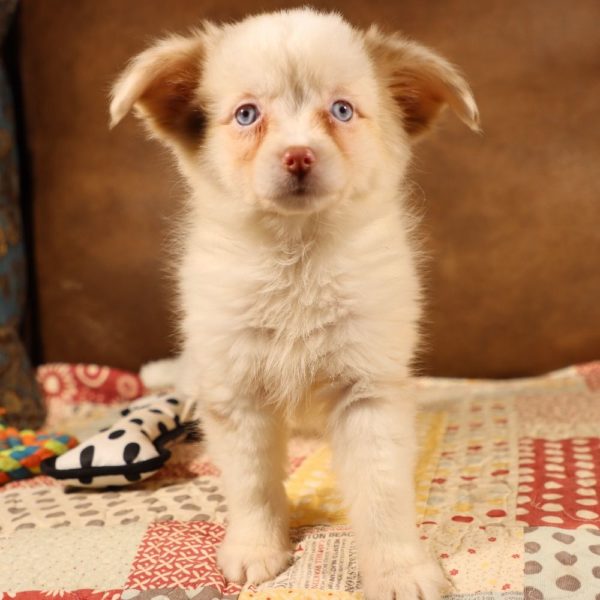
x=275 y=317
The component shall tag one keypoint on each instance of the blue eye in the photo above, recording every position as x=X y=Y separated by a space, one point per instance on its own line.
x=342 y=110
x=247 y=114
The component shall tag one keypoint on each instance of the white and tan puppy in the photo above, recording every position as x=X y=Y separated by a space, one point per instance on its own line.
x=297 y=282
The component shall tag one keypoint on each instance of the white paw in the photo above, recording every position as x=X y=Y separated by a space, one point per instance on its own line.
x=251 y=563
x=160 y=373
x=404 y=573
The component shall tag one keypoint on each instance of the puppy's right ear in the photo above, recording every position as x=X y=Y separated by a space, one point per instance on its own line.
x=162 y=84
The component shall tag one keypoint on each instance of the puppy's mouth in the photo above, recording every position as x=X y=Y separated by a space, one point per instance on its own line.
x=294 y=195
x=298 y=195
x=300 y=187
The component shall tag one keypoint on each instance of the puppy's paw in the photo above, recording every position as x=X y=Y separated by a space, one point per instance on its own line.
x=160 y=373
x=404 y=573
x=251 y=563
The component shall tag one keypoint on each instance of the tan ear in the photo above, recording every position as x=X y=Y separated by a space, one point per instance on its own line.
x=420 y=81
x=162 y=84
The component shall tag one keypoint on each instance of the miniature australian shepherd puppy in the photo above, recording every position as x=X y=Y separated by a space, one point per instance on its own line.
x=298 y=290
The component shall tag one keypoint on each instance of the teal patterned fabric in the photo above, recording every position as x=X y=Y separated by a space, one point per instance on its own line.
x=12 y=260
x=19 y=396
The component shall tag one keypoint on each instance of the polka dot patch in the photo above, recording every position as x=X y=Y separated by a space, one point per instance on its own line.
x=562 y=495
x=558 y=564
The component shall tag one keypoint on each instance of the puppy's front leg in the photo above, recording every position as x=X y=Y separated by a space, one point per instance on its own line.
x=248 y=445
x=373 y=441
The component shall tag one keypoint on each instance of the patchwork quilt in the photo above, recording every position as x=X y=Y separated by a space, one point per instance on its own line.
x=508 y=502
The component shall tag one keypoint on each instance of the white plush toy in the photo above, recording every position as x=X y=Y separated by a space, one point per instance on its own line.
x=133 y=449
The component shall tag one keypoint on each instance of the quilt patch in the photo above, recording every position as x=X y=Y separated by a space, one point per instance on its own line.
x=558 y=483
x=560 y=564
x=68 y=558
x=176 y=554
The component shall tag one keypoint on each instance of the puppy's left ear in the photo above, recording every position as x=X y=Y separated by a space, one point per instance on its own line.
x=420 y=82
x=162 y=84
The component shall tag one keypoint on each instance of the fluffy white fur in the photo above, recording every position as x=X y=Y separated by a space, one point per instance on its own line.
x=300 y=304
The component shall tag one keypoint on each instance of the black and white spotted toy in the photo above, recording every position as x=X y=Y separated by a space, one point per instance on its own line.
x=133 y=449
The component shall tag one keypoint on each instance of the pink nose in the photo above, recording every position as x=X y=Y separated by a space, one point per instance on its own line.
x=298 y=160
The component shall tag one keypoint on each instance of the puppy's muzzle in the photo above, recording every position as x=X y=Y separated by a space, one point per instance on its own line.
x=298 y=160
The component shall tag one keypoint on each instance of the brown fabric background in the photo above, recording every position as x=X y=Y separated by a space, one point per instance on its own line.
x=511 y=218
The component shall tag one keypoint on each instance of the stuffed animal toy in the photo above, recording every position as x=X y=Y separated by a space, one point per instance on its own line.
x=134 y=448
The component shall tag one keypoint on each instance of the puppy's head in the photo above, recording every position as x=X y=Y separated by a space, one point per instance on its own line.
x=291 y=111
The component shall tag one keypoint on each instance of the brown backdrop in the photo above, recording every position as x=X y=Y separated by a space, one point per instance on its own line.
x=511 y=218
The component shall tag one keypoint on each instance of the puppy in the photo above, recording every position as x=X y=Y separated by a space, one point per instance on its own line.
x=297 y=283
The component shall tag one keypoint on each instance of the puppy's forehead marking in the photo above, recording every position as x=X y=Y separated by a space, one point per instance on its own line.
x=297 y=86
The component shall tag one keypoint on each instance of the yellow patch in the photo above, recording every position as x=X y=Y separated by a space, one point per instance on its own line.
x=313 y=496
x=315 y=500
x=430 y=432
